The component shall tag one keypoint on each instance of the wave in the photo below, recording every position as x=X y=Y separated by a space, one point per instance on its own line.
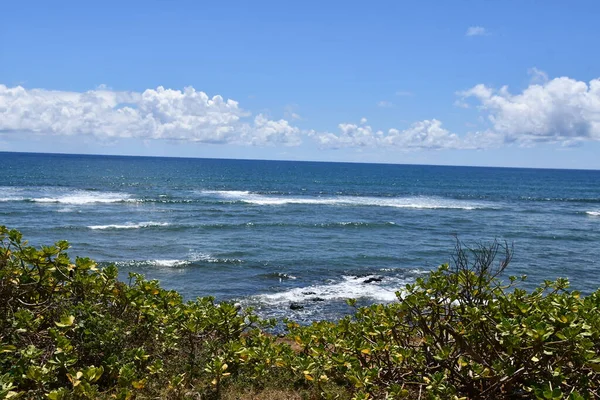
x=593 y=213
x=129 y=225
x=193 y=258
x=366 y=287
x=7 y=199
x=48 y=194
x=169 y=263
x=81 y=198
x=397 y=202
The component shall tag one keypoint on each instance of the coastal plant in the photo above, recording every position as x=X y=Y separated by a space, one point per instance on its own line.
x=462 y=332
x=72 y=330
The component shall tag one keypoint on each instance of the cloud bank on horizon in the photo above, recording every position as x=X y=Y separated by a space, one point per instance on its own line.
x=560 y=110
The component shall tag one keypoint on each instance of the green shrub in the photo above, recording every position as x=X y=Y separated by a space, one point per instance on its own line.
x=70 y=330
x=462 y=333
x=73 y=330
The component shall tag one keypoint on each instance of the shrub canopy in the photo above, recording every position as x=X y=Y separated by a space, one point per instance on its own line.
x=69 y=329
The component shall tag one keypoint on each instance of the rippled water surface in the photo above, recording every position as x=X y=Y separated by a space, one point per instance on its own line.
x=268 y=233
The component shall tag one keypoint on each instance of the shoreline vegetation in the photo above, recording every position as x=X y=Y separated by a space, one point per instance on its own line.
x=70 y=330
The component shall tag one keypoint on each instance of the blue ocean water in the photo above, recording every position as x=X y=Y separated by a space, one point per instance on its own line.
x=268 y=233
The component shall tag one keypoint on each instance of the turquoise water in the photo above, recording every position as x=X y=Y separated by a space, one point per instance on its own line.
x=268 y=233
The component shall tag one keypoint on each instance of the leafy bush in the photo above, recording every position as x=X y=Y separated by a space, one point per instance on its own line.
x=461 y=333
x=73 y=330
x=70 y=330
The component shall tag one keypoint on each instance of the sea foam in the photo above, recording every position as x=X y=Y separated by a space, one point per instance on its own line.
x=83 y=197
x=192 y=258
x=129 y=225
x=416 y=202
x=350 y=287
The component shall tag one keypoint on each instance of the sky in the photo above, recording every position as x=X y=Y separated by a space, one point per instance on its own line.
x=491 y=83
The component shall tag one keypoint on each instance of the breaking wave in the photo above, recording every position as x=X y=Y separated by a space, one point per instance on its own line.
x=129 y=225
x=350 y=287
x=192 y=259
x=398 y=202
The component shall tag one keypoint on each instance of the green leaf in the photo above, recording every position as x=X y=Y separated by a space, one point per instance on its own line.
x=7 y=348
x=65 y=321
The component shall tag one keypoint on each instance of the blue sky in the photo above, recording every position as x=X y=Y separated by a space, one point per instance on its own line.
x=380 y=81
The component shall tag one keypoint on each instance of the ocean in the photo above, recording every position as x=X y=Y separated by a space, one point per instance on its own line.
x=271 y=233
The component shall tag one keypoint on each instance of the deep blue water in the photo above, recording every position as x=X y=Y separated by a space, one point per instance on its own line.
x=267 y=233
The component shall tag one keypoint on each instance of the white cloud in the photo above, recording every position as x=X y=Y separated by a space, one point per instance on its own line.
x=187 y=115
x=404 y=93
x=265 y=131
x=476 y=31
x=561 y=110
x=427 y=134
x=384 y=104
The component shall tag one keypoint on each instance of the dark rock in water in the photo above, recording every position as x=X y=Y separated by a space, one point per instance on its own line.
x=296 y=306
x=308 y=293
x=317 y=299
x=374 y=279
x=361 y=276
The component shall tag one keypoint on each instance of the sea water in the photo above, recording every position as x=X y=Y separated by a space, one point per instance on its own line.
x=271 y=233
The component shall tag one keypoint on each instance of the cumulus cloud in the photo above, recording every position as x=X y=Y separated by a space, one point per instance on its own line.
x=476 y=31
x=160 y=113
x=560 y=110
x=427 y=134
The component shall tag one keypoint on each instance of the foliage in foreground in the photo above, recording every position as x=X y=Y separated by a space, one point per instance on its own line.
x=69 y=330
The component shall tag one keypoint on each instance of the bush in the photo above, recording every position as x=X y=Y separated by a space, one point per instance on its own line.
x=462 y=333
x=71 y=330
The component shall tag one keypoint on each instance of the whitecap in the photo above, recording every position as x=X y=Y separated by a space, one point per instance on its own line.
x=168 y=263
x=350 y=287
x=415 y=202
x=593 y=213
x=128 y=225
x=226 y=193
x=212 y=259
x=83 y=197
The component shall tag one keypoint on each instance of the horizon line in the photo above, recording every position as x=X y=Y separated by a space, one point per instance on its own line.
x=288 y=160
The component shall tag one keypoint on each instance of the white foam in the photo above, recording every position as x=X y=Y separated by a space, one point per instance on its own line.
x=349 y=287
x=83 y=197
x=10 y=193
x=398 y=202
x=129 y=225
x=227 y=193
x=168 y=263
x=6 y=199
x=193 y=257
x=593 y=213
x=211 y=259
